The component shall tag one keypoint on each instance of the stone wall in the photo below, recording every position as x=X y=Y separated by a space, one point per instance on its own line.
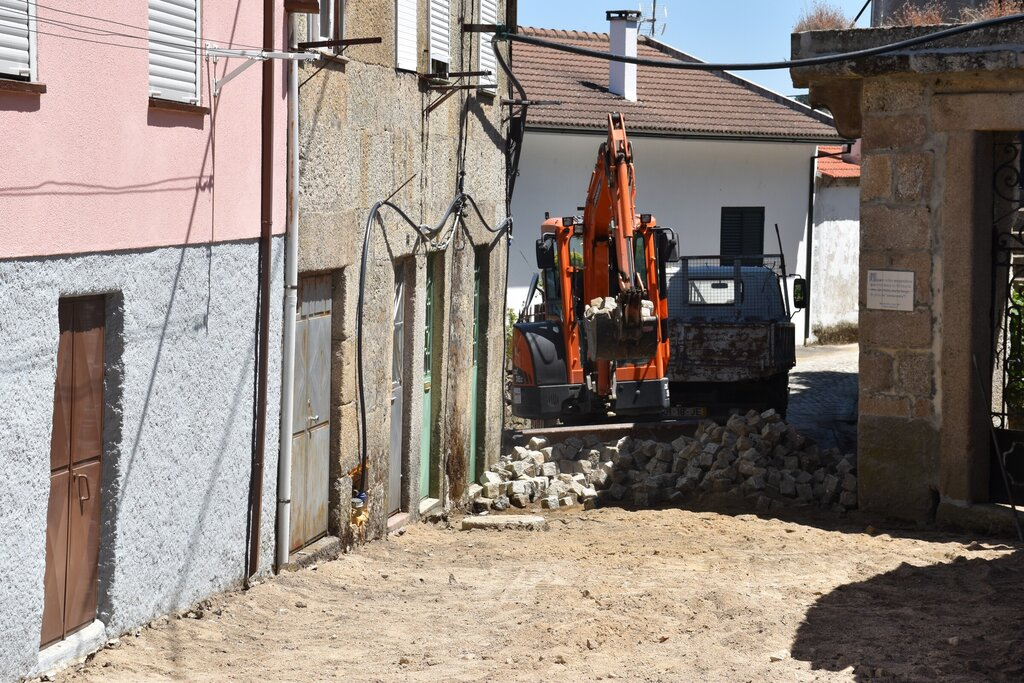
x=366 y=135
x=928 y=118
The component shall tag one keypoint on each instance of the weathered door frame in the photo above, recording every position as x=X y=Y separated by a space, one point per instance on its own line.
x=429 y=487
x=311 y=424
x=76 y=463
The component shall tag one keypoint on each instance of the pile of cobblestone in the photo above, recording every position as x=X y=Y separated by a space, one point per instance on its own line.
x=756 y=458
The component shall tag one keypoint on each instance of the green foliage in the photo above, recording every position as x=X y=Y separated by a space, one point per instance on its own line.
x=1014 y=391
x=840 y=333
x=511 y=317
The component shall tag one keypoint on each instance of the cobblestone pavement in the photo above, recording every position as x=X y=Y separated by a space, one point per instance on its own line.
x=823 y=395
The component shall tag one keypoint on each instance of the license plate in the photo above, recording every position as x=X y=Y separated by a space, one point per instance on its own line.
x=680 y=411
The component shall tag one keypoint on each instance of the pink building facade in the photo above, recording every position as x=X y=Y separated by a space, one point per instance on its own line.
x=130 y=222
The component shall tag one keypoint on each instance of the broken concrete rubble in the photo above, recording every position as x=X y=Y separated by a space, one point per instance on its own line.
x=756 y=459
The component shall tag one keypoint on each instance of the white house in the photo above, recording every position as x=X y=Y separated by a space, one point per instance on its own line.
x=720 y=159
x=836 y=253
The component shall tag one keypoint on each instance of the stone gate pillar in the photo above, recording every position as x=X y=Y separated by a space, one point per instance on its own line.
x=928 y=118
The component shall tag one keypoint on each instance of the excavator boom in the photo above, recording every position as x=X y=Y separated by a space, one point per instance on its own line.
x=602 y=344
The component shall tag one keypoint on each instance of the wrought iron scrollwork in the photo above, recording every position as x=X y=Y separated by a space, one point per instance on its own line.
x=1008 y=284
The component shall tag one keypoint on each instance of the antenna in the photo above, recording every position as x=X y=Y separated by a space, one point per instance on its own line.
x=652 y=14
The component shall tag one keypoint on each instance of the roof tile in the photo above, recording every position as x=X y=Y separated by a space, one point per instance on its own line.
x=670 y=102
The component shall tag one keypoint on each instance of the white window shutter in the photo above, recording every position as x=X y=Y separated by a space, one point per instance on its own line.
x=16 y=38
x=174 y=50
x=406 y=35
x=488 y=15
x=440 y=31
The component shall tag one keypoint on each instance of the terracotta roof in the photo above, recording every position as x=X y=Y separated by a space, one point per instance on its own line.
x=835 y=167
x=671 y=102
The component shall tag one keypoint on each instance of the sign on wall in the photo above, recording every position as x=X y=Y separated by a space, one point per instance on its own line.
x=890 y=290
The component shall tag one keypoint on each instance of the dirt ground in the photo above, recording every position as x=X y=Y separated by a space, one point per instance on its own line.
x=660 y=595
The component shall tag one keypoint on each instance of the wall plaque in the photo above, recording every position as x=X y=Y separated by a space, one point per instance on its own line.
x=891 y=290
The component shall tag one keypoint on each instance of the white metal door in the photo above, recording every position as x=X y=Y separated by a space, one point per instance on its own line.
x=311 y=426
x=397 y=367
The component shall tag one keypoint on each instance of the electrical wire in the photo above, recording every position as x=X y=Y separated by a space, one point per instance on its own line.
x=429 y=234
x=170 y=49
x=763 y=66
x=144 y=29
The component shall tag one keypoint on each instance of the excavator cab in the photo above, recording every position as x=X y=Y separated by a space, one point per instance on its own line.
x=601 y=346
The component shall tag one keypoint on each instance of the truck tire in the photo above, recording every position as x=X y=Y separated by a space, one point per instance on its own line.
x=780 y=394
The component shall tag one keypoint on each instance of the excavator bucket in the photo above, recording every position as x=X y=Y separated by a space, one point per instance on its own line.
x=620 y=330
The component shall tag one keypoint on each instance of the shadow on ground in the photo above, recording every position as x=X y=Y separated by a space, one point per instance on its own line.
x=960 y=621
x=823 y=406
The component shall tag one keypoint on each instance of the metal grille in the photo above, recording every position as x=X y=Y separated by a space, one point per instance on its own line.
x=728 y=289
x=1008 y=286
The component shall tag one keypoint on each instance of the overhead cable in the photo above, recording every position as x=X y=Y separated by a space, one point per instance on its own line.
x=762 y=66
x=144 y=29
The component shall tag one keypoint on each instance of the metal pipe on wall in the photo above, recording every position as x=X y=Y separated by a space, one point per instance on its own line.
x=266 y=243
x=291 y=283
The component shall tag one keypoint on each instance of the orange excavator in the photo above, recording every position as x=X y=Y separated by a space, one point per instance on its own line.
x=598 y=345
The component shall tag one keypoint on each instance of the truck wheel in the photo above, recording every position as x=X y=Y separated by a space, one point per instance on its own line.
x=780 y=394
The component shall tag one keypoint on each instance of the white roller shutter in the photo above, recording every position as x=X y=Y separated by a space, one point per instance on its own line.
x=17 y=39
x=174 y=50
x=440 y=32
x=488 y=15
x=406 y=34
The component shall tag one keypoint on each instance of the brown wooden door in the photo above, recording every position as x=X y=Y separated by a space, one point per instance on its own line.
x=76 y=448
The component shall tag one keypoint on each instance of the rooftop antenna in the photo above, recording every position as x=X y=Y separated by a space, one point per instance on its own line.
x=651 y=13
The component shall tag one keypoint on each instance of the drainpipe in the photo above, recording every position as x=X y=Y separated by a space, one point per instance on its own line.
x=266 y=233
x=291 y=283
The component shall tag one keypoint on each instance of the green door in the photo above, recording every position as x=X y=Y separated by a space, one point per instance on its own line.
x=426 y=466
x=474 y=401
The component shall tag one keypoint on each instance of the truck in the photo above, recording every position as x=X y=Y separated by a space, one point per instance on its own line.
x=732 y=344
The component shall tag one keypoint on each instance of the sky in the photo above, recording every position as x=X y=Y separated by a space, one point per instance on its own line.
x=711 y=30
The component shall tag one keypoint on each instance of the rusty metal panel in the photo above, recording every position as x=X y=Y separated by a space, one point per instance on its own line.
x=318 y=360
x=83 y=546
x=87 y=409
x=317 y=477
x=56 y=558
x=63 y=390
x=298 y=490
x=315 y=292
x=719 y=352
x=301 y=380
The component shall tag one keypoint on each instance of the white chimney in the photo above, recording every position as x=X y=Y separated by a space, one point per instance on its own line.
x=622 y=36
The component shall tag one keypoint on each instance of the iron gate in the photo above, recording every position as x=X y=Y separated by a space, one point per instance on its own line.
x=1008 y=312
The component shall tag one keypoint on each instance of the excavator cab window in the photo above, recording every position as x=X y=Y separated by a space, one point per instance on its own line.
x=640 y=261
x=552 y=294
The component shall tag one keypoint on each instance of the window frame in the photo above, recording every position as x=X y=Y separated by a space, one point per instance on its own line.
x=742 y=212
x=33 y=70
x=314 y=23
x=487 y=86
x=198 y=99
x=412 y=65
x=432 y=58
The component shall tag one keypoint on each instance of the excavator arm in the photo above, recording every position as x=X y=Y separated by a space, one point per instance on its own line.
x=626 y=330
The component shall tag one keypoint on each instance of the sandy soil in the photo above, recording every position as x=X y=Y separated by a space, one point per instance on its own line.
x=665 y=595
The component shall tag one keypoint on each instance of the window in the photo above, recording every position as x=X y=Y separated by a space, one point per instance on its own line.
x=174 y=50
x=742 y=232
x=406 y=35
x=440 y=36
x=488 y=15
x=18 y=40
x=329 y=24
x=712 y=292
